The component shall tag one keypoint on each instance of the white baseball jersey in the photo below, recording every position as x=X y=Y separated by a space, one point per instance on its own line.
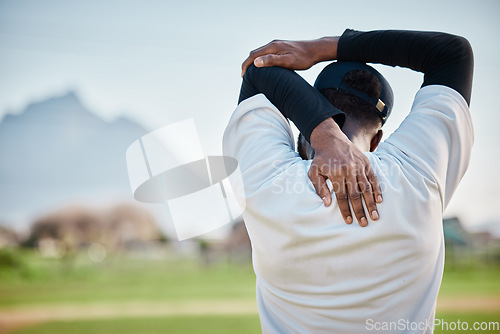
x=315 y=273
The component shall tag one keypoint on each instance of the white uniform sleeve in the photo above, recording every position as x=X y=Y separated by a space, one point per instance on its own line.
x=260 y=138
x=435 y=139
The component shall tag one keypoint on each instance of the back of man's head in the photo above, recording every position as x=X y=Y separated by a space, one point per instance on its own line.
x=356 y=109
x=358 y=90
x=360 y=80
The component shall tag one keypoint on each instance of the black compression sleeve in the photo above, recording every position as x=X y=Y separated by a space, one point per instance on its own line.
x=443 y=58
x=292 y=95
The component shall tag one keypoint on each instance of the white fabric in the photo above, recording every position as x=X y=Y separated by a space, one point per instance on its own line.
x=316 y=274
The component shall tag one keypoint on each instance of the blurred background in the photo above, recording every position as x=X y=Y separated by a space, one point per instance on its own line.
x=80 y=81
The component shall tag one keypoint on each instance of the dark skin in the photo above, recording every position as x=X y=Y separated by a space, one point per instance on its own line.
x=338 y=153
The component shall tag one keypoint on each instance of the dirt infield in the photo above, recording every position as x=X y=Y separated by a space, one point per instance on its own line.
x=468 y=304
x=26 y=316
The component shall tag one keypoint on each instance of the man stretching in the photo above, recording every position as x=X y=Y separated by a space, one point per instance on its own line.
x=316 y=274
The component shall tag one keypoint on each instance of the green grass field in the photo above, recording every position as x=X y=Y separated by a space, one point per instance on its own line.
x=41 y=281
x=176 y=295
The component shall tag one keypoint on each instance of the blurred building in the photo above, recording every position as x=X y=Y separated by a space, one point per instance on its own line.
x=464 y=245
x=8 y=238
x=119 y=228
x=235 y=248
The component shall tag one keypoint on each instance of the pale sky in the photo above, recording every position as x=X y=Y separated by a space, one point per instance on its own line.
x=163 y=61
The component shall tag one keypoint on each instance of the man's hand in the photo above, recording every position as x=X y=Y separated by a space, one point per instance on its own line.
x=294 y=55
x=349 y=170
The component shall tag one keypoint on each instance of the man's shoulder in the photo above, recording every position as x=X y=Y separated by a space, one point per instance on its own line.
x=253 y=103
x=432 y=145
x=440 y=98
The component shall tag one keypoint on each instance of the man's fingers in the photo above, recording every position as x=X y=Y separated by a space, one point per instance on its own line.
x=249 y=61
x=263 y=50
x=355 y=196
x=366 y=190
x=245 y=65
x=373 y=179
x=282 y=60
x=319 y=183
x=342 y=199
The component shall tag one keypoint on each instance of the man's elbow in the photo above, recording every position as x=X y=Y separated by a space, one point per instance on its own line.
x=461 y=59
x=465 y=49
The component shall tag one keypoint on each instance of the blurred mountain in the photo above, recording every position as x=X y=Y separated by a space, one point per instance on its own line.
x=57 y=151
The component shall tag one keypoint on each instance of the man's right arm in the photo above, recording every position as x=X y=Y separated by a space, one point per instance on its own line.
x=443 y=58
x=437 y=137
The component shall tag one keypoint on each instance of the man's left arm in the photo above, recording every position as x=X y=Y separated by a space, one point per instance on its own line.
x=313 y=114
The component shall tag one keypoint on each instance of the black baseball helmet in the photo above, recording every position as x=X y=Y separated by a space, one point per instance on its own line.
x=332 y=76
